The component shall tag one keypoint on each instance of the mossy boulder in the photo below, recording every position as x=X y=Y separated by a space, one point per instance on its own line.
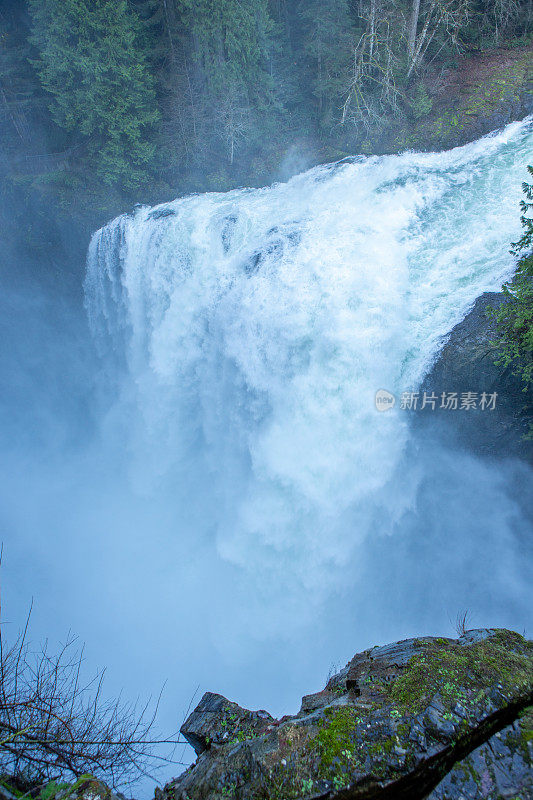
x=393 y=723
x=216 y=721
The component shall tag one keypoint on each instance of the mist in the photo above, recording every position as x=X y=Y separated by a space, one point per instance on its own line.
x=195 y=479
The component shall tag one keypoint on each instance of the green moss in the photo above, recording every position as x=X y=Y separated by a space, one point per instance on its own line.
x=237 y=728
x=458 y=673
x=10 y=788
x=49 y=791
x=526 y=725
x=445 y=124
x=346 y=744
x=335 y=737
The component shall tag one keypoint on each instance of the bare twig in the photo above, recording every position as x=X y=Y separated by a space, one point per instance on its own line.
x=54 y=723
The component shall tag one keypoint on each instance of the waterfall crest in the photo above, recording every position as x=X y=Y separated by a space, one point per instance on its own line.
x=256 y=327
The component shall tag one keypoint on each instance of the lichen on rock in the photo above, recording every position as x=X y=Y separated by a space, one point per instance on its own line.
x=395 y=722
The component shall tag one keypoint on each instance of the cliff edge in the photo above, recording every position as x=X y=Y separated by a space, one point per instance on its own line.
x=428 y=717
x=466 y=363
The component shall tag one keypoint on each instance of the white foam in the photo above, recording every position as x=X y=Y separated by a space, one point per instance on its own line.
x=257 y=326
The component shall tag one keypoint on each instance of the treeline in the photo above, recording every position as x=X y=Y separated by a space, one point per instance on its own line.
x=144 y=95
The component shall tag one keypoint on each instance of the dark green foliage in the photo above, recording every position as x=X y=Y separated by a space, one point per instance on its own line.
x=328 y=42
x=491 y=21
x=90 y=61
x=514 y=318
x=229 y=46
x=102 y=100
x=14 y=93
x=421 y=102
x=231 y=39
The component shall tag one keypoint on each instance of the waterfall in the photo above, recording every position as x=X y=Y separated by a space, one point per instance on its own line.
x=254 y=328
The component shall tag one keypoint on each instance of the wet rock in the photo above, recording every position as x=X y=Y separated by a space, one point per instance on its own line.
x=216 y=720
x=466 y=364
x=382 y=664
x=393 y=723
x=161 y=213
x=228 y=229
x=502 y=768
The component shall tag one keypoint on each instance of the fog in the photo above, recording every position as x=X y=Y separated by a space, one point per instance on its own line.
x=195 y=479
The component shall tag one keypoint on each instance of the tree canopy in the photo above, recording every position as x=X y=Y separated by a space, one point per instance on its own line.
x=101 y=90
x=188 y=94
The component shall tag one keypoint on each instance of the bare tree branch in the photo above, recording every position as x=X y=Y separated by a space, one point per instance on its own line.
x=54 y=723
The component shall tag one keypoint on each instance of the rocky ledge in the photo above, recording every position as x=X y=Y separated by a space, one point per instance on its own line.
x=466 y=363
x=429 y=717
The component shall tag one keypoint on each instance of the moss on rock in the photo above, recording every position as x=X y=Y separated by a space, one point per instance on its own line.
x=394 y=721
x=464 y=674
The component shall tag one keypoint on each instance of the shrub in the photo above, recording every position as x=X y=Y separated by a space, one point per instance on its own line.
x=514 y=318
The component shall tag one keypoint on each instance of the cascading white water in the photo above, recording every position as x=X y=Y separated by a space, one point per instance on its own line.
x=257 y=325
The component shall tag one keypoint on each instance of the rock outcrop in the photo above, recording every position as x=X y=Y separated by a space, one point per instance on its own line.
x=466 y=364
x=484 y=92
x=410 y=720
x=501 y=769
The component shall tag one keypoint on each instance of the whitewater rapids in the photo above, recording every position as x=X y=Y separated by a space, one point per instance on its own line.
x=212 y=499
x=256 y=326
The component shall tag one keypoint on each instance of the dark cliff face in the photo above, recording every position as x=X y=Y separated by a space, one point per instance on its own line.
x=466 y=364
x=400 y=721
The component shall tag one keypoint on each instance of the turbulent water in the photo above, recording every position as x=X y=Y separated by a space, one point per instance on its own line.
x=256 y=327
x=213 y=499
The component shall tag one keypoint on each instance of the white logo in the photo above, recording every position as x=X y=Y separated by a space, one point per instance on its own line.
x=384 y=400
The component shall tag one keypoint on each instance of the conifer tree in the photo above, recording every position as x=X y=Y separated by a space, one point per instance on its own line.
x=328 y=44
x=229 y=45
x=90 y=61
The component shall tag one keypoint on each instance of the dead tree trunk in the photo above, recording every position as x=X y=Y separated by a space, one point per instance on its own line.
x=413 y=26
